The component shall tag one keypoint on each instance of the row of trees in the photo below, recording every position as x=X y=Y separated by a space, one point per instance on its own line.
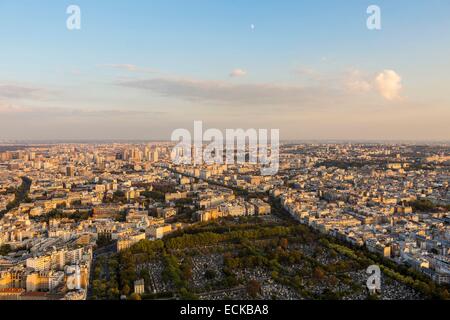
x=77 y=216
x=105 y=284
x=212 y=238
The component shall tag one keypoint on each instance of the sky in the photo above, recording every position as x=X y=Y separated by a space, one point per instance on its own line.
x=141 y=69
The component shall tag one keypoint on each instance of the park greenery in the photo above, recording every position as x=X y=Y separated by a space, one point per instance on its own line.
x=20 y=196
x=425 y=205
x=244 y=244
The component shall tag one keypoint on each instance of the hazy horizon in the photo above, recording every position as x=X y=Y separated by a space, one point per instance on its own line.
x=27 y=142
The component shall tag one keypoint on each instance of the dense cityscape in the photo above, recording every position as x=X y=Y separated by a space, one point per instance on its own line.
x=122 y=221
x=224 y=159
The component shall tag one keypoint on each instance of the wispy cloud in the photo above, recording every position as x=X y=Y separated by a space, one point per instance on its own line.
x=309 y=73
x=355 y=81
x=128 y=67
x=317 y=92
x=229 y=93
x=238 y=73
x=7 y=108
x=12 y=91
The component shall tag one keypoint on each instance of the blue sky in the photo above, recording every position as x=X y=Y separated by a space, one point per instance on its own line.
x=140 y=69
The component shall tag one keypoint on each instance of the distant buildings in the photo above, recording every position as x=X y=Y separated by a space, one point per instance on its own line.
x=121 y=194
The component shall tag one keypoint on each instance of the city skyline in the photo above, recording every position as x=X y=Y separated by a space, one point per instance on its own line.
x=141 y=70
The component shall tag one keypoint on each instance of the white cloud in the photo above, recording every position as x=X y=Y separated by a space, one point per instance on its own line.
x=238 y=73
x=389 y=84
